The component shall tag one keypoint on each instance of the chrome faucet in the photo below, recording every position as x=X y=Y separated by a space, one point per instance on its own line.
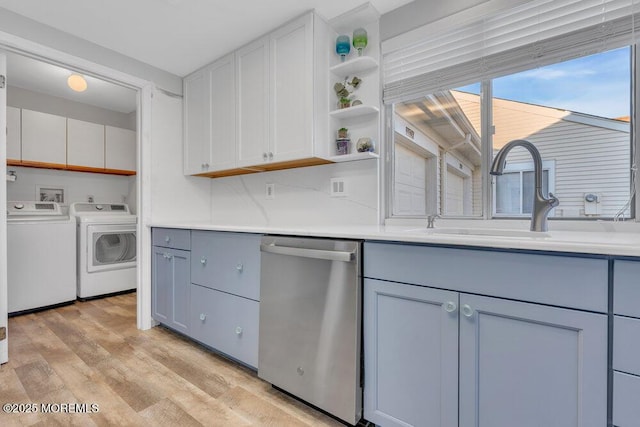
x=541 y=205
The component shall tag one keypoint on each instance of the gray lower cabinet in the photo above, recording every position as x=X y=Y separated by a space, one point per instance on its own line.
x=226 y=322
x=448 y=358
x=170 y=286
x=626 y=343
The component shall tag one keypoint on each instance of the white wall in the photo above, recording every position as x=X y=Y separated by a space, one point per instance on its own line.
x=301 y=197
x=78 y=185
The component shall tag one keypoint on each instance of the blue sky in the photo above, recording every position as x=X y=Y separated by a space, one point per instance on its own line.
x=597 y=84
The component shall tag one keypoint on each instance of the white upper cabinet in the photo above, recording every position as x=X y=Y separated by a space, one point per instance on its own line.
x=13 y=134
x=85 y=144
x=197 y=152
x=291 y=90
x=120 y=149
x=221 y=76
x=279 y=104
x=252 y=62
x=44 y=138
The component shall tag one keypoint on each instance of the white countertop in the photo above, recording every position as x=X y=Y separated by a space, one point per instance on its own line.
x=625 y=241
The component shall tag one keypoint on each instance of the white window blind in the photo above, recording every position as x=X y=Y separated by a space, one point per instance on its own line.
x=537 y=33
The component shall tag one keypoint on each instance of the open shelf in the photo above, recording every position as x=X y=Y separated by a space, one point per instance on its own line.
x=359 y=64
x=354 y=156
x=357 y=111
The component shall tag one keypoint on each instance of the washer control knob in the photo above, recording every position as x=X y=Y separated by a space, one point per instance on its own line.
x=19 y=206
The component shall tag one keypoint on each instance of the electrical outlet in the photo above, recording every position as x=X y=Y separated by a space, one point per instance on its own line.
x=270 y=192
x=338 y=187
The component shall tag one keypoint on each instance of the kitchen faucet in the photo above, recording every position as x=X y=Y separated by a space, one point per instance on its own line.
x=541 y=205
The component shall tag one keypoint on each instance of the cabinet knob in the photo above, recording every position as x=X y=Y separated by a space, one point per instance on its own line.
x=206 y=165
x=264 y=156
x=167 y=239
x=167 y=256
x=450 y=306
x=203 y=261
x=239 y=266
x=467 y=311
x=270 y=155
x=238 y=330
x=203 y=316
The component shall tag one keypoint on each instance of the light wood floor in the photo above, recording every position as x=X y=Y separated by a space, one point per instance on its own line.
x=91 y=352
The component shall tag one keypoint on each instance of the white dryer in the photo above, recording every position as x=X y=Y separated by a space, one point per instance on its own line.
x=41 y=267
x=106 y=235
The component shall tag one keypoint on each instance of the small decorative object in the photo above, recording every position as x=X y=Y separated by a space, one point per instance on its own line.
x=359 y=39
x=345 y=89
x=342 y=146
x=356 y=102
x=343 y=133
x=364 y=144
x=343 y=47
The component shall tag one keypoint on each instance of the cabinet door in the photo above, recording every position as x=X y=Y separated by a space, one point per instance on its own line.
x=13 y=134
x=223 y=113
x=291 y=95
x=85 y=144
x=196 y=123
x=170 y=284
x=44 y=138
x=531 y=365
x=252 y=78
x=120 y=149
x=411 y=355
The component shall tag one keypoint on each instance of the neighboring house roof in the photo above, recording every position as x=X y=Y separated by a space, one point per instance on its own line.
x=519 y=120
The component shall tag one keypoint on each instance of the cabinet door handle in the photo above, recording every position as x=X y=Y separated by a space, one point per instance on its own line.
x=450 y=307
x=167 y=256
x=270 y=155
x=238 y=330
x=203 y=316
x=264 y=156
x=167 y=239
x=467 y=311
x=203 y=261
x=239 y=266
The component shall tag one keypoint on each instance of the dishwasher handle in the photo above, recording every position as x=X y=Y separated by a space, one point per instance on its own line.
x=309 y=253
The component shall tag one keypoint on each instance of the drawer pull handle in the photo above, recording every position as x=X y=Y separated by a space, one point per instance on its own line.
x=239 y=267
x=203 y=261
x=467 y=311
x=167 y=239
x=238 y=330
x=450 y=307
x=203 y=317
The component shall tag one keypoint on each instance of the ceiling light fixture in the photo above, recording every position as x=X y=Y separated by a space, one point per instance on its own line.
x=77 y=83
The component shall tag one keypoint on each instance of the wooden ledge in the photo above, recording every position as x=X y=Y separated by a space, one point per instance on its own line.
x=72 y=168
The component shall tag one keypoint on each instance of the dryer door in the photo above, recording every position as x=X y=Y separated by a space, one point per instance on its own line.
x=111 y=247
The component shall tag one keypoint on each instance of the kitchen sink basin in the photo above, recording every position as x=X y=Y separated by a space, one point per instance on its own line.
x=489 y=232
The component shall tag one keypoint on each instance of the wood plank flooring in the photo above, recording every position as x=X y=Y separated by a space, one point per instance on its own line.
x=92 y=353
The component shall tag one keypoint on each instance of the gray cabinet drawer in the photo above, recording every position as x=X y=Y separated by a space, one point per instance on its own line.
x=171 y=238
x=626 y=288
x=565 y=281
x=626 y=345
x=226 y=323
x=229 y=262
x=626 y=395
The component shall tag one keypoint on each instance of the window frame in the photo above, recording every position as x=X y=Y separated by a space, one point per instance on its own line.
x=521 y=168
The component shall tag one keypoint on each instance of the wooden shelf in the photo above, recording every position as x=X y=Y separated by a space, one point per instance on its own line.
x=354 y=156
x=357 y=111
x=72 y=168
x=359 y=64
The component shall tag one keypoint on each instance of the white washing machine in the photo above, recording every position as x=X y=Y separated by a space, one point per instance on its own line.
x=41 y=268
x=106 y=248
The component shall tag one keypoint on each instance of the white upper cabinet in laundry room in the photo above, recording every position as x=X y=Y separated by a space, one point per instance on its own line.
x=85 y=144
x=13 y=134
x=197 y=150
x=44 y=138
x=252 y=70
x=119 y=149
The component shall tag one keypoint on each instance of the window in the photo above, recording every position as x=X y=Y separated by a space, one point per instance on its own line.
x=576 y=113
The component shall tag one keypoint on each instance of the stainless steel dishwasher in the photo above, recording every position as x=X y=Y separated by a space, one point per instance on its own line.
x=310 y=321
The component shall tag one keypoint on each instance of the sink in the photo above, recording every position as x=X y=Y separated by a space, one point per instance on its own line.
x=489 y=232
